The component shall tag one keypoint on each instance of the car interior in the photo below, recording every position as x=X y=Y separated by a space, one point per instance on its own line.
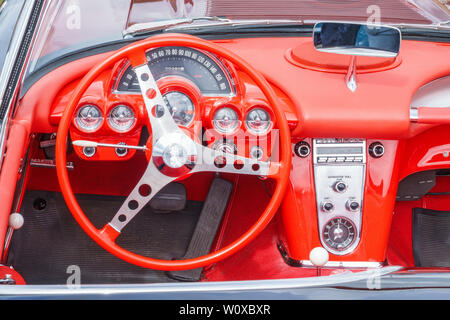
x=199 y=155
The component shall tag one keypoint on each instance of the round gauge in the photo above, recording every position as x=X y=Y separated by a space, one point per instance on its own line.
x=206 y=72
x=339 y=233
x=226 y=120
x=258 y=121
x=121 y=118
x=180 y=107
x=89 y=118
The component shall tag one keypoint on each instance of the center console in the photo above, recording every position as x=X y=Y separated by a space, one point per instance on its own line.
x=339 y=175
x=341 y=197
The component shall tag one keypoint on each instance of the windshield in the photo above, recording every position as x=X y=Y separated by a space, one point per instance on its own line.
x=71 y=24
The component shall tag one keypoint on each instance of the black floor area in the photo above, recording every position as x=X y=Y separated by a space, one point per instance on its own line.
x=51 y=241
x=431 y=238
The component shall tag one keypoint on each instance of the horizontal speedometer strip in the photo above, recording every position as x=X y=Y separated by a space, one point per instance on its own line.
x=207 y=73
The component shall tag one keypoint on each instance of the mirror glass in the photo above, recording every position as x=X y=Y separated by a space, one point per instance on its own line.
x=357 y=39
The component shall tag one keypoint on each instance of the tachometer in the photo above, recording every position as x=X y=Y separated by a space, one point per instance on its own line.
x=200 y=68
x=181 y=107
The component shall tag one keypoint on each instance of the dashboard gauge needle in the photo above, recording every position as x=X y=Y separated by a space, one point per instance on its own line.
x=93 y=144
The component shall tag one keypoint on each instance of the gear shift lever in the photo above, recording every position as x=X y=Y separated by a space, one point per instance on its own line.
x=318 y=257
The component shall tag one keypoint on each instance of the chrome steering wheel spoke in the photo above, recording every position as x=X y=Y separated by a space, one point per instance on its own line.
x=210 y=160
x=149 y=185
x=161 y=120
x=162 y=124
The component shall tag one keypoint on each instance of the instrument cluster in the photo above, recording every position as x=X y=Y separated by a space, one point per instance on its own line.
x=206 y=96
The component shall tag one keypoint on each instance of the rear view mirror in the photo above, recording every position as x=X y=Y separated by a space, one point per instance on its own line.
x=357 y=39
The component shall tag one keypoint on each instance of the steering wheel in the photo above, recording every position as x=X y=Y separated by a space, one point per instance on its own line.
x=174 y=154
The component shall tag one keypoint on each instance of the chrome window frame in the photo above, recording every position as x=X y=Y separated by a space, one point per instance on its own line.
x=14 y=67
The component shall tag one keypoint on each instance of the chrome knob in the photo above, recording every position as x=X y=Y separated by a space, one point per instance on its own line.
x=340 y=186
x=302 y=149
x=376 y=150
x=327 y=206
x=89 y=151
x=352 y=205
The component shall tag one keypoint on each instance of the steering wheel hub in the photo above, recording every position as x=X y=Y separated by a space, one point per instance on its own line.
x=174 y=154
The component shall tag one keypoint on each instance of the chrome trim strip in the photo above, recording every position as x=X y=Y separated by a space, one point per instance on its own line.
x=223 y=286
x=413 y=114
x=344 y=264
x=49 y=164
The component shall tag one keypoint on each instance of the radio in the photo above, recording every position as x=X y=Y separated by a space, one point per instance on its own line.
x=334 y=150
x=339 y=175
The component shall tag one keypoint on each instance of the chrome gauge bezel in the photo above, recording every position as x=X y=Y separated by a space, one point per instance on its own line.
x=80 y=127
x=258 y=132
x=113 y=126
x=343 y=221
x=184 y=124
x=225 y=131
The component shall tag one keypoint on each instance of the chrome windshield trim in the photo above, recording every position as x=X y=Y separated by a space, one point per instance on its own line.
x=3 y=4
x=15 y=46
x=194 y=23
x=140 y=28
x=8 y=66
x=225 y=286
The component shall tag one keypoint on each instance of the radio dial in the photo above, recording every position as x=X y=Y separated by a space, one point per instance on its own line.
x=302 y=149
x=327 y=206
x=376 y=150
x=352 y=205
x=340 y=186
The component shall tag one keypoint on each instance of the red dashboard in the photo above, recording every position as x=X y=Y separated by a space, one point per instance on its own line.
x=242 y=98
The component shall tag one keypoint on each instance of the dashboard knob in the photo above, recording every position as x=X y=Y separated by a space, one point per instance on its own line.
x=318 y=256
x=302 y=149
x=89 y=151
x=340 y=186
x=327 y=206
x=352 y=205
x=376 y=150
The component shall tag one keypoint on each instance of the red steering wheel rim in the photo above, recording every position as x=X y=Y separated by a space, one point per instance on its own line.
x=104 y=237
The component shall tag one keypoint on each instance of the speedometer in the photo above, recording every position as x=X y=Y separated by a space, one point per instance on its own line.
x=202 y=69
